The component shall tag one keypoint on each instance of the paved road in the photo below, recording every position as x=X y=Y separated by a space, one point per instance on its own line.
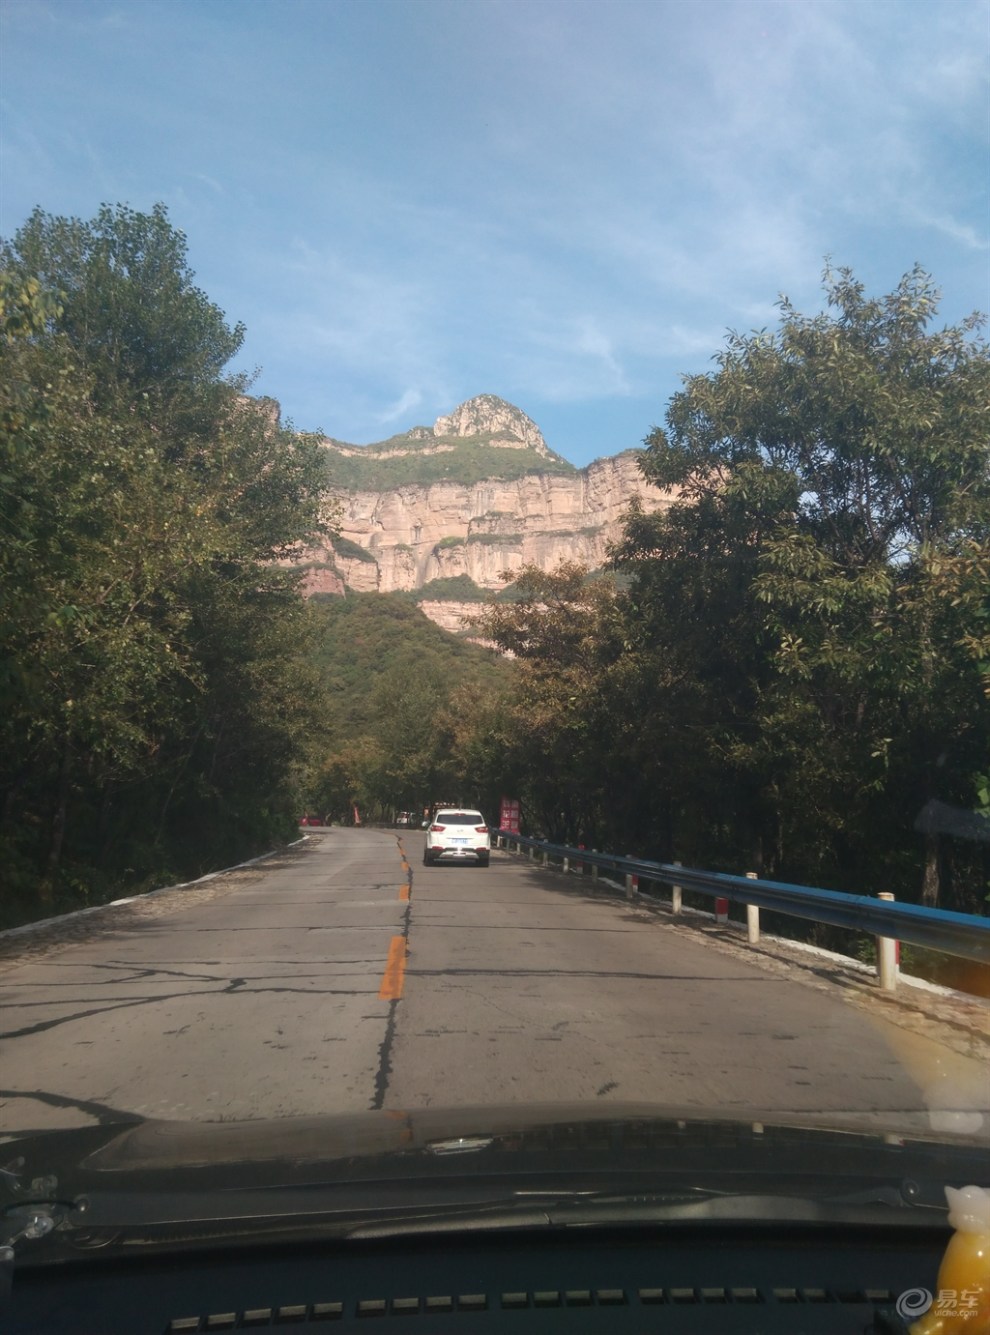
x=321 y=982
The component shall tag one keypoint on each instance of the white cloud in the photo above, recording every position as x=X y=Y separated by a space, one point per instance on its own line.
x=620 y=182
x=402 y=407
x=210 y=181
x=694 y=341
x=962 y=232
x=592 y=342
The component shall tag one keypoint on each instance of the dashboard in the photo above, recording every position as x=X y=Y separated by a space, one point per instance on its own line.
x=757 y=1280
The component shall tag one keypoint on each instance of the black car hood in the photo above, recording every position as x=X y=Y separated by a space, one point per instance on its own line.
x=508 y=1142
x=164 y=1187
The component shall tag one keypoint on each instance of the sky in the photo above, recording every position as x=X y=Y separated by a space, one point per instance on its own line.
x=567 y=203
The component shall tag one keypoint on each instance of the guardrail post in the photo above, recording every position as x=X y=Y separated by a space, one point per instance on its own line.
x=887 y=955
x=579 y=866
x=961 y=934
x=752 y=916
x=632 y=883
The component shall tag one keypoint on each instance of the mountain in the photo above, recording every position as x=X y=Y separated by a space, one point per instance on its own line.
x=443 y=511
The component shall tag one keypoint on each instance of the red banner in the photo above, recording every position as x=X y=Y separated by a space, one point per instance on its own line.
x=508 y=819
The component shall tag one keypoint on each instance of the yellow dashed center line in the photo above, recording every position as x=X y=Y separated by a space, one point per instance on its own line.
x=403 y=891
x=395 y=971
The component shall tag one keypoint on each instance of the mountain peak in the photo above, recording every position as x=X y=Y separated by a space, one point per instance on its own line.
x=488 y=414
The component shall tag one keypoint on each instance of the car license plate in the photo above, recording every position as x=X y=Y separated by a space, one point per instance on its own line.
x=460 y=842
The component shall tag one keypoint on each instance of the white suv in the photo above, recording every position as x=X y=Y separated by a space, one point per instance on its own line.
x=456 y=834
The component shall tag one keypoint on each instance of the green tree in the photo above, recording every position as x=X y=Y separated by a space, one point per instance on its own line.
x=839 y=467
x=794 y=679
x=562 y=734
x=404 y=697
x=153 y=650
x=130 y=308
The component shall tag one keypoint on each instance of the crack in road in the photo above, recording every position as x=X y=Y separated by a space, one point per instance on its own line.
x=139 y=970
x=384 y=1071
x=103 y=1113
x=590 y=973
x=44 y=1026
x=223 y=985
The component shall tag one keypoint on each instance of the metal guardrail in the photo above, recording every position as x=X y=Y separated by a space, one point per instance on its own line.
x=961 y=934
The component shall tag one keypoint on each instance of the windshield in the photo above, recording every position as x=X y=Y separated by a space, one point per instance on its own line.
x=449 y=449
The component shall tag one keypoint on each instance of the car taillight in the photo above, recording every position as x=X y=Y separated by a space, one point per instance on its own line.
x=437 y=829
x=481 y=829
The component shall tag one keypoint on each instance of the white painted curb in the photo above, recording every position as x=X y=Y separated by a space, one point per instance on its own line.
x=28 y=928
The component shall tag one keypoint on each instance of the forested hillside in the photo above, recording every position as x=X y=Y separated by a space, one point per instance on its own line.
x=406 y=706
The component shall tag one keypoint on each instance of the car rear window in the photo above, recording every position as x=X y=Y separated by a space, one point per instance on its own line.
x=461 y=817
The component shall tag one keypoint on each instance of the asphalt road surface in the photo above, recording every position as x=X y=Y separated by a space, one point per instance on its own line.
x=344 y=976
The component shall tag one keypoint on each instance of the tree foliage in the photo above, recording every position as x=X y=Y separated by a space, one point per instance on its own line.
x=130 y=308
x=796 y=669
x=557 y=732
x=406 y=703
x=154 y=696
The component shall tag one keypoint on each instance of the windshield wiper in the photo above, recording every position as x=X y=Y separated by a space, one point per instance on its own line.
x=872 y=1206
x=120 y=1222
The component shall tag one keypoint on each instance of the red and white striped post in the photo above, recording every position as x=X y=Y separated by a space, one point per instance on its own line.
x=632 y=882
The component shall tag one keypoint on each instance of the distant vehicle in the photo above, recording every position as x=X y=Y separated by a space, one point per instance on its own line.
x=404 y=818
x=457 y=835
x=310 y=820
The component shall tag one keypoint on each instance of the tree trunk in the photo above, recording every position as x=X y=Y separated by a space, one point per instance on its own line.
x=930 y=884
x=47 y=884
x=756 y=855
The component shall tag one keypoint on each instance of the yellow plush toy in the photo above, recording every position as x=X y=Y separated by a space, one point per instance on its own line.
x=962 y=1304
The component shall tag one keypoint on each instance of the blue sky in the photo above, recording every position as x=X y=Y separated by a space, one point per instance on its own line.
x=563 y=202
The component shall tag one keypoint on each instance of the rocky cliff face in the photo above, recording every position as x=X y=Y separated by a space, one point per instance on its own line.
x=489 y=415
x=406 y=534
